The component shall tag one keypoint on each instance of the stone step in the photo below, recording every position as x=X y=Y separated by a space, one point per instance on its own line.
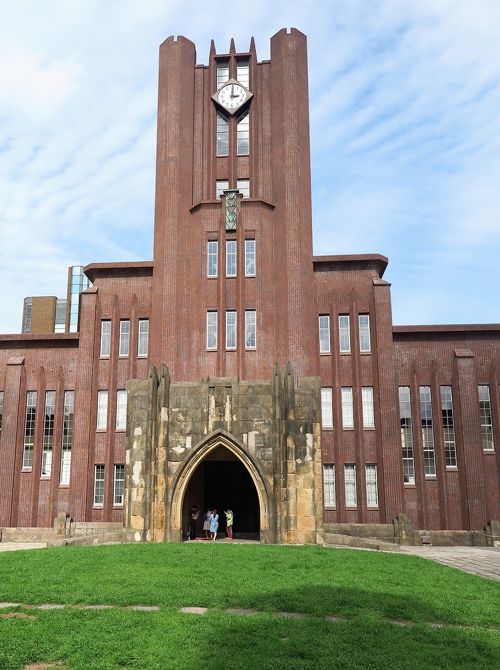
x=380 y=531
x=341 y=540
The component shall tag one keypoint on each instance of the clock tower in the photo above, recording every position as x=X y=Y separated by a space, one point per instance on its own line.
x=233 y=288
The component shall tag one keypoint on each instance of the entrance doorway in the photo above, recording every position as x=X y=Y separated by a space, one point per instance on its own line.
x=222 y=481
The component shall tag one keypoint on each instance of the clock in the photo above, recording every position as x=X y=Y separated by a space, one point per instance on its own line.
x=232 y=96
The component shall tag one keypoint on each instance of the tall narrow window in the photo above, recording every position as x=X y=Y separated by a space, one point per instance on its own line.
x=105 y=338
x=243 y=135
x=29 y=429
x=212 y=330
x=347 y=407
x=250 y=329
x=406 y=434
x=99 y=486
x=324 y=334
x=344 y=334
x=1 y=411
x=485 y=414
x=351 y=496
x=222 y=136
x=212 y=258
x=365 y=345
x=371 y=486
x=67 y=437
x=243 y=186
x=326 y=408
x=48 y=433
x=222 y=73
x=143 y=338
x=121 y=409
x=450 y=447
x=221 y=185
x=249 y=258
x=118 y=485
x=243 y=73
x=329 y=486
x=231 y=258
x=102 y=410
x=427 y=431
x=231 y=324
x=367 y=406
x=124 y=338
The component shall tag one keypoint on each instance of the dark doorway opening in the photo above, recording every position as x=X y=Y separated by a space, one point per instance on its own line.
x=222 y=481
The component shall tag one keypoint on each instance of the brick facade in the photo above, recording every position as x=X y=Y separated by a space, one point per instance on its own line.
x=190 y=405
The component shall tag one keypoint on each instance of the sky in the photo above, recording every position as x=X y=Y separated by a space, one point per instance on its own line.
x=405 y=137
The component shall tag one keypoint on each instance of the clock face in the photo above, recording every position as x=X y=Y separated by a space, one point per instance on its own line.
x=232 y=96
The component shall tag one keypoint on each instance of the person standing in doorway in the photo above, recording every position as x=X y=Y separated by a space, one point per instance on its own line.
x=206 y=524
x=214 y=524
x=229 y=523
x=193 y=518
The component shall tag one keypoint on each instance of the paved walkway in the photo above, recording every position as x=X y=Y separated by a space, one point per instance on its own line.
x=483 y=561
x=14 y=546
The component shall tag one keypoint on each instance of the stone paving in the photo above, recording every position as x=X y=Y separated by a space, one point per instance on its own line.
x=14 y=546
x=231 y=611
x=483 y=561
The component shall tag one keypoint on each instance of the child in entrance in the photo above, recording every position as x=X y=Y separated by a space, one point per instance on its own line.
x=229 y=523
x=214 y=524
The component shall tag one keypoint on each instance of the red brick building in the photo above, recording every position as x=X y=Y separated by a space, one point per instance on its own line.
x=257 y=375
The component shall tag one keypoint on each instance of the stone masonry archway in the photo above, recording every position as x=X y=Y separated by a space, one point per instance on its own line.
x=220 y=439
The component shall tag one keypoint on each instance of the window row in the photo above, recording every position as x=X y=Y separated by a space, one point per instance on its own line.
x=242 y=135
x=102 y=410
x=243 y=186
x=232 y=329
x=427 y=427
x=231 y=258
x=242 y=73
x=347 y=407
x=124 y=338
x=48 y=433
x=118 y=485
x=350 y=486
x=344 y=330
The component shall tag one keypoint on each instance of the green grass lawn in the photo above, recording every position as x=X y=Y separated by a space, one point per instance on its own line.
x=365 y=587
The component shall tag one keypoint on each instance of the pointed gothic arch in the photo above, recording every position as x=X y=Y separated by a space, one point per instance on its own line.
x=221 y=438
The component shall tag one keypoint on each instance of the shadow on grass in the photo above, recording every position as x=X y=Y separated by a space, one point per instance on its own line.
x=117 y=639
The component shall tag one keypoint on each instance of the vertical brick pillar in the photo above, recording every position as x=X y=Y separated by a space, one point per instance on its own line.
x=470 y=456
x=11 y=442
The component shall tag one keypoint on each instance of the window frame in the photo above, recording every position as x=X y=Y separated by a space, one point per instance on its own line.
x=99 y=485
x=118 y=480
x=67 y=437
x=251 y=314
x=30 y=417
x=371 y=486
x=222 y=136
x=406 y=433
x=448 y=427
x=124 y=341
x=368 y=407
x=105 y=349
x=250 y=257
x=347 y=406
x=212 y=328
x=231 y=329
x=231 y=258
x=102 y=410
x=242 y=129
x=121 y=410
x=344 y=332
x=326 y=395
x=350 y=485
x=329 y=487
x=323 y=339
x=486 y=419
x=364 y=331
x=142 y=337
x=212 y=269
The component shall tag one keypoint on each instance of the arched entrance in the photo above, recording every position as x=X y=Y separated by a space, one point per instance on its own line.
x=220 y=473
x=221 y=481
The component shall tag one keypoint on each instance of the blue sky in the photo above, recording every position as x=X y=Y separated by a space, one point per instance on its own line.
x=405 y=138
